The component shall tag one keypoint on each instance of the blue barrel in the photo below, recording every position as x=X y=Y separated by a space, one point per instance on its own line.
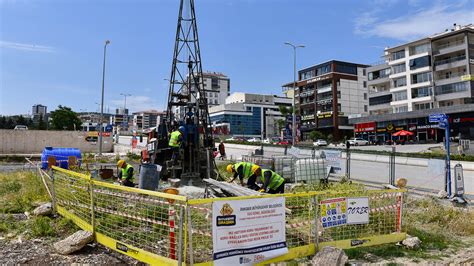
x=149 y=176
x=61 y=155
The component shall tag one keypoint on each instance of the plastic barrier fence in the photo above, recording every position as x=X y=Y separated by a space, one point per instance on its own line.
x=165 y=229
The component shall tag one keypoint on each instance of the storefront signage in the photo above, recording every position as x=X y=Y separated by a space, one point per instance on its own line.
x=307 y=117
x=390 y=127
x=364 y=127
x=427 y=126
x=246 y=232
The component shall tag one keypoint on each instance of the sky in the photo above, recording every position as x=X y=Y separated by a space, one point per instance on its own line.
x=51 y=51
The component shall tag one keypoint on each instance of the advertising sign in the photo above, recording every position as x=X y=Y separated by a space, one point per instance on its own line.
x=245 y=232
x=434 y=118
x=333 y=212
x=333 y=158
x=358 y=210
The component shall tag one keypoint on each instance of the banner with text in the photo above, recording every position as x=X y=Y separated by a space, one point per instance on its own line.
x=333 y=158
x=245 y=232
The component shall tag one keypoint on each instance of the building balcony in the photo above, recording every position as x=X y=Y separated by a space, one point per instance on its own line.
x=421 y=84
x=378 y=81
x=374 y=93
x=451 y=79
x=423 y=98
x=380 y=106
x=450 y=63
x=306 y=103
x=449 y=47
x=324 y=89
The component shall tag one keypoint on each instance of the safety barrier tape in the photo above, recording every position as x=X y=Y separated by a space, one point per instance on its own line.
x=385 y=208
x=296 y=225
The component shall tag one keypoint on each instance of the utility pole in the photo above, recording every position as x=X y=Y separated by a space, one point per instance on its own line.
x=102 y=101
x=293 y=126
x=125 y=115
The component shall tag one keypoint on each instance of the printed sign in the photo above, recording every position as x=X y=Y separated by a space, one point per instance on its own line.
x=434 y=118
x=333 y=212
x=245 y=232
x=358 y=210
x=333 y=158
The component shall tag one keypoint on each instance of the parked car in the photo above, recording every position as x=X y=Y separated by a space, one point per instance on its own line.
x=21 y=127
x=254 y=140
x=320 y=142
x=358 y=141
x=267 y=141
x=283 y=142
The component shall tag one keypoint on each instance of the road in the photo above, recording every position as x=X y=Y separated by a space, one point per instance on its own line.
x=370 y=170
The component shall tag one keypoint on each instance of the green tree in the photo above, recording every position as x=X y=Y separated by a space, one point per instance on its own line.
x=41 y=123
x=314 y=135
x=3 y=122
x=21 y=120
x=9 y=124
x=64 y=118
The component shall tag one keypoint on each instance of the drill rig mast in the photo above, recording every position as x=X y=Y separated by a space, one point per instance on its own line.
x=187 y=107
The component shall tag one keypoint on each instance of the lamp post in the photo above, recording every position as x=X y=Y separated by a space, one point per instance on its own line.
x=107 y=42
x=293 y=126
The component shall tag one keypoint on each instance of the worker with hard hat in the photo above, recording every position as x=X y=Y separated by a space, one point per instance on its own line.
x=125 y=174
x=244 y=170
x=272 y=182
x=175 y=140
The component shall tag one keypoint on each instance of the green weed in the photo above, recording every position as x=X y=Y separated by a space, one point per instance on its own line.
x=19 y=190
x=41 y=226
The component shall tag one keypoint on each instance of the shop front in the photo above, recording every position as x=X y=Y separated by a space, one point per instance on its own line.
x=366 y=131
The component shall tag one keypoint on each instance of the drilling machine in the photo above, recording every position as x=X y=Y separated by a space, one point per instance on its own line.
x=188 y=108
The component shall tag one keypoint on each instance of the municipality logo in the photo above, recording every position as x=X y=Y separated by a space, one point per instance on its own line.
x=226 y=219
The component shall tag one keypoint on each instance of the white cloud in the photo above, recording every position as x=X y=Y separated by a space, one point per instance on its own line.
x=27 y=47
x=137 y=103
x=414 y=25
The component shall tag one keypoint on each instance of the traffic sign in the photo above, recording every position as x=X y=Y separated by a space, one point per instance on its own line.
x=433 y=118
x=443 y=124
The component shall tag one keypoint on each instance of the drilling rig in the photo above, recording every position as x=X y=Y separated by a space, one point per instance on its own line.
x=187 y=108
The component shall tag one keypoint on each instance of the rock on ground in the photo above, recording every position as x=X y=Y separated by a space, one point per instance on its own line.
x=73 y=242
x=412 y=242
x=330 y=256
x=44 y=209
x=442 y=194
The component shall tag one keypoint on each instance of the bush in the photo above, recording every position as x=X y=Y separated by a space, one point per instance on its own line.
x=41 y=226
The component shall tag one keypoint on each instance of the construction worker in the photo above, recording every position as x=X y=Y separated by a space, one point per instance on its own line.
x=244 y=170
x=176 y=138
x=125 y=174
x=272 y=182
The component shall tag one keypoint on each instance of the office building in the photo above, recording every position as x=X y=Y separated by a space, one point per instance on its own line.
x=147 y=119
x=249 y=115
x=327 y=94
x=419 y=78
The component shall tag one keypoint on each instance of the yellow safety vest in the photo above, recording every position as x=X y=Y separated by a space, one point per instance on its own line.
x=174 y=138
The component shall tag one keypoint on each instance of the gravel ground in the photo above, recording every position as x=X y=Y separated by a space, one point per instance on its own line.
x=41 y=252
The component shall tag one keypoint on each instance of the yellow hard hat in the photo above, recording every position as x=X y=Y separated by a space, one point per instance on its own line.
x=120 y=163
x=229 y=168
x=254 y=168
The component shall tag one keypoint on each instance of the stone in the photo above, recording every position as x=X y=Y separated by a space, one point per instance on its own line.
x=442 y=194
x=73 y=242
x=330 y=256
x=174 y=182
x=412 y=242
x=44 y=210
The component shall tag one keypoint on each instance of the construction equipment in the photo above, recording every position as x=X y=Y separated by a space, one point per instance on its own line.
x=187 y=107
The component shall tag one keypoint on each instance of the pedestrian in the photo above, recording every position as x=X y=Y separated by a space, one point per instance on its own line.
x=175 y=140
x=271 y=182
x=245 y=170
x=125 y=174
x=222 y=150
x=460 y=149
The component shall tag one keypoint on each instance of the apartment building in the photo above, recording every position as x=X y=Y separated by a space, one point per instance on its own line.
x=249 y=115
x=327 y=94
x=146 y=119
x=429 y=75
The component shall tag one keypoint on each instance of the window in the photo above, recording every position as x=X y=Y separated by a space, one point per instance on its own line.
x=363 y=72
x=398 y=55
x=446 y=103
x=422 y=77
x=365 y=108
x=339 y=94
x=215 y=83
x=308 y=74
x=420 y=62
x=423 y=106
x=399 y=68
x=380 y=100
x=451 y=88
x=421 y=92
x=346 y=68
x=401 y=109
x=379 y=74
x=419 y=49
x=365 y=96
x=399 y=82
x=365 y=84
x=400 y=96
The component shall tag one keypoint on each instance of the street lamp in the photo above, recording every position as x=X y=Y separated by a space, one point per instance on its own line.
x=293 y=127
x=107 y=42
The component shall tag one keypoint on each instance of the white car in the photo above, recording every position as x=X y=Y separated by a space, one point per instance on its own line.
x=320 y=142
x=21 y=127
x=358 y=141
x=254 y=140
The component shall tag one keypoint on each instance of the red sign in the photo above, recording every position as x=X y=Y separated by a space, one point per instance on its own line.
x=365 y=127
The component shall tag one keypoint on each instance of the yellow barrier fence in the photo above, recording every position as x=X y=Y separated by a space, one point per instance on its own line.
x=166 y=229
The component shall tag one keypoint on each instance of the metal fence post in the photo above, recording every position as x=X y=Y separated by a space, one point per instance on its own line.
x=190 y=240
x=91 y=188
x=348 y=163
x=53 y=192
x=316 y=222
x=180 y=237
x=392 y=167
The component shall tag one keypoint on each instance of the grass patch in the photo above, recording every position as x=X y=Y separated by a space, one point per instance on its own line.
x=19 y=190
x=41 y=227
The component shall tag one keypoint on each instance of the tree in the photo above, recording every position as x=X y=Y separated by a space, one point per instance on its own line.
x=314 y=135
x=41 y=123
x=21 y=120
x=64 y=118
x=3 y=122
x=284 y=110
x=9 y=124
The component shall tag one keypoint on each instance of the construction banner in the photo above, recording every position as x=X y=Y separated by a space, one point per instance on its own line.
x=246 y=232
